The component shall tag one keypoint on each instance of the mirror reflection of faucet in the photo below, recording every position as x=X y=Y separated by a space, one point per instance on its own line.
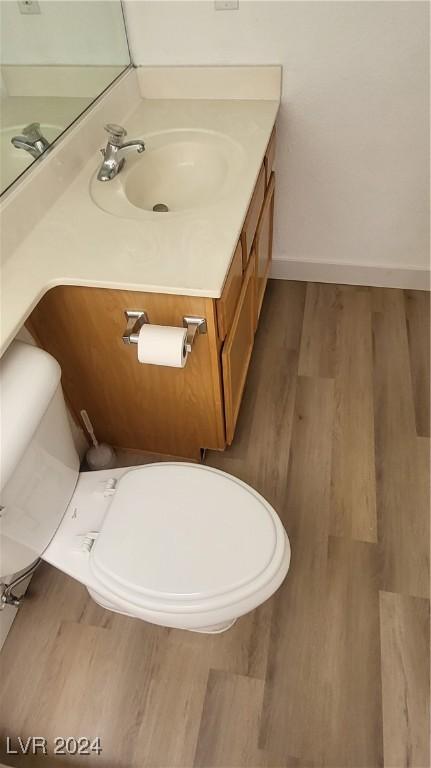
x=31 y=140
x=112 y=154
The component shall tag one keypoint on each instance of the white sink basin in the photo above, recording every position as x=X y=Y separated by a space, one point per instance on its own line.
x=180 y=171
x=14 y=161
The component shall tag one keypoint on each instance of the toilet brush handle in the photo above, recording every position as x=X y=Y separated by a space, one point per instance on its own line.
x=89 y=427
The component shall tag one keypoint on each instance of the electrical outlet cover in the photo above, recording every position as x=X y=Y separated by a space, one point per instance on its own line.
x=226 y=5
x=28 y=7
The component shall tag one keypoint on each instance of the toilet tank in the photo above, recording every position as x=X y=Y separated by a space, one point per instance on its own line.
x=39 y=464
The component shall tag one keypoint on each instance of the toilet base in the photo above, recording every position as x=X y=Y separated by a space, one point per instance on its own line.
x=213 y=629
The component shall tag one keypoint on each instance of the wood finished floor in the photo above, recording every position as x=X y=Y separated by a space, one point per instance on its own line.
x=334 y=669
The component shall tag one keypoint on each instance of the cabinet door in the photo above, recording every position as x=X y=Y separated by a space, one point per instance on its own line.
x=252 y=217
x=237 y=350
x=270 y=157
x=226 y=304
x=263 y=244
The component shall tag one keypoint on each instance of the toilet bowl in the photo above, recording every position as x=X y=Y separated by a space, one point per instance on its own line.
x=176 y=544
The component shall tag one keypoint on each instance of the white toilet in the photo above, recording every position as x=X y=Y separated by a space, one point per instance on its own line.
x=176 y=544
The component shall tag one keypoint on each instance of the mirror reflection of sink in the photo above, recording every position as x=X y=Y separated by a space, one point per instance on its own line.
x=179 y=171
x=14 y=161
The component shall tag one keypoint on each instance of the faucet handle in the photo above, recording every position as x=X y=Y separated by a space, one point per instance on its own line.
x=116 y=132
x=32 y=131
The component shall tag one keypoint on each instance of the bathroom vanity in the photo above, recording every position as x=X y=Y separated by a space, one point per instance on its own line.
x=97 y=250
x=176 y=411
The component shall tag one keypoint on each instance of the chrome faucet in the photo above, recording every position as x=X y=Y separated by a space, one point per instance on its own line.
x=112 y=159
x=32 y=140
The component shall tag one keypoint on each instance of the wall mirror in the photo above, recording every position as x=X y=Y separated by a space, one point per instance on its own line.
x=56 y=57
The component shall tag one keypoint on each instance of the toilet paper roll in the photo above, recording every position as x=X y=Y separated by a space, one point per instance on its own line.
x=162 y=345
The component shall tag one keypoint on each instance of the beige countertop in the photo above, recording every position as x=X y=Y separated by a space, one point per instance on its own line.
x=77 y=243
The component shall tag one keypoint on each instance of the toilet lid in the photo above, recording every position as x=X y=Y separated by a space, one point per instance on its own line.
x=178 y=533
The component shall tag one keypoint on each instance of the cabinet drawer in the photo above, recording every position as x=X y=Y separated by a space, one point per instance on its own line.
x=270 y=157
x=226 y=304
x=263 y=244
x=237 y=350
x=253 y=213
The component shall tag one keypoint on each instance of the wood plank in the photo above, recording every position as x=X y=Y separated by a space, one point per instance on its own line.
x=27 y=651
x=230 y=722
x=417 y=307
x=405 y=643
x=79 y=655
x=169 y=721
x=244 y=649
x=295 y=661
x=83 y=692
x=402 y=459
x=350 y=682
x=318 y=343
x=353 y=485
x=377 y=299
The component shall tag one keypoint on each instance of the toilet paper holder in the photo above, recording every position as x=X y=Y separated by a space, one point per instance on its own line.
x=136 y=318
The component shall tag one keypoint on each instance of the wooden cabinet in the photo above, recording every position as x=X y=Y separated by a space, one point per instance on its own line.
x=263 y=244
x=174 y=411
x=237 y=350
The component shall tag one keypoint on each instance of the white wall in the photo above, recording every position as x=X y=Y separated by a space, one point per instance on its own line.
x=65 y=32
x=353 y=129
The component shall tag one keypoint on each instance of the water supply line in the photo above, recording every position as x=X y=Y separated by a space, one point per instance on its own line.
x=7 y=597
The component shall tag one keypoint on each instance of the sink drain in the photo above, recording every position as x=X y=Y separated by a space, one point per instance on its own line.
x=160 y=208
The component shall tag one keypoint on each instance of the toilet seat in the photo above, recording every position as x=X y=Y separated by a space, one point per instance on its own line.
x=145 y=545
x=183 y=538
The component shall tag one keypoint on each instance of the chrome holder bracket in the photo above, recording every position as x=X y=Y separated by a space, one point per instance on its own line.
x=194 y=325
x=135 y=320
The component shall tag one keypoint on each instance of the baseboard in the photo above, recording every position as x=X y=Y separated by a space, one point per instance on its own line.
x=379 y=276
